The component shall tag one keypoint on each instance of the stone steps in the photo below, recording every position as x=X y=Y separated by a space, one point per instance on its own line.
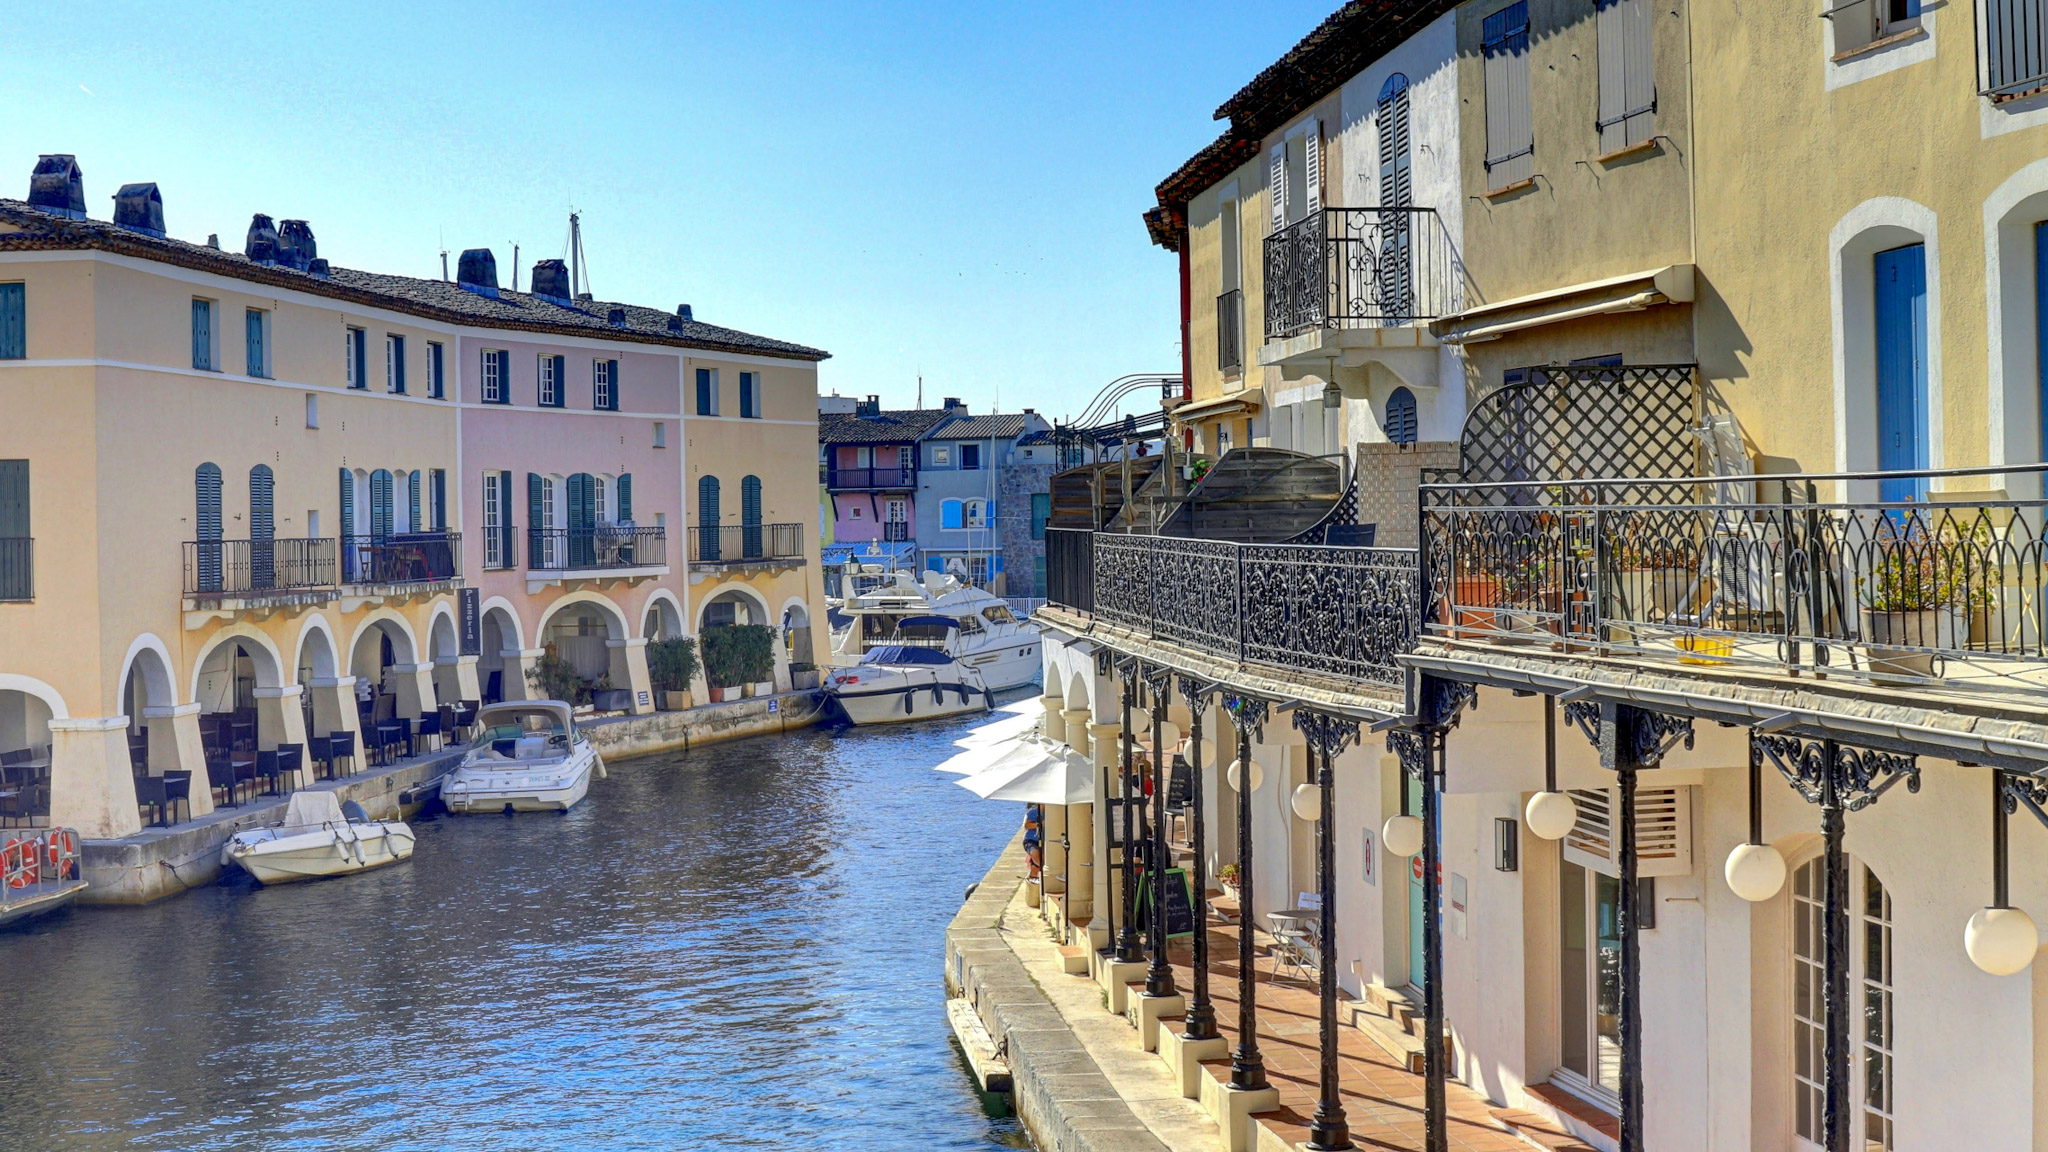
x=1536 y=1131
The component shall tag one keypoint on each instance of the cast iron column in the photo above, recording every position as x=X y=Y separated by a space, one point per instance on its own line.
x=1839 y=780
x=1159 y=977
x=1127 y=932
x=1327 y=735
x=1201 y=1021
x=1247 y=1066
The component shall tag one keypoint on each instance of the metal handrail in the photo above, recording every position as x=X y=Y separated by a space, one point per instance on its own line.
x=17 y=568
x=601 y=546
x=38 y=865
x=242 y=567
x=401 y=558
x=743 y=543
x=1359 y=268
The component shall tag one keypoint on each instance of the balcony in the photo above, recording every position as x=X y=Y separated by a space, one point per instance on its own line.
x=1752 y=574
x=599 y=549
x=1356 y=278
x=17 y=568
x=1230 y=332
x=405 y=561
x=1339 y=614
x=895 y=531
x=297 y=570
x=2012 y=48
x=870 y=479
x=765 y=545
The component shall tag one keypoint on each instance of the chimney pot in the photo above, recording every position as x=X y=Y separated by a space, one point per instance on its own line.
x=584 y=297
x=140 y=207
x=616 y=317
x=57 y=186
x=551 y=281
x=213 y=240
x=295 y=244
x=683 y=314
x=477 y=271
x=261 y=244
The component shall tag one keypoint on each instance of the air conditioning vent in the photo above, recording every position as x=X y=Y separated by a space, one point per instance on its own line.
x=1663 y=831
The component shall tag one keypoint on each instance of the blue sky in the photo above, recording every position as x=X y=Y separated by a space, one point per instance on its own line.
x=938 y=188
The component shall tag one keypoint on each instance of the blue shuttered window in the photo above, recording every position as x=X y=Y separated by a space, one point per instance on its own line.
x=380 y=505
x=624 y=514
x=437 y=371
x=1400 y=423
x=206 y=525
x=1510 y=138
x=707 y=517
x=1901 y=275
x=17 y=556
x=439 y=490
x=202 y=335
x=496 y=376
x=536 y=519
x=707 y=391
x=394 y=364
x=604 y=385
x=1396 y=279
x=413 y=522
x=750 y=395
x=552 y=369
x=949 y=514
x=257 y=355
x=262 y=528
x=13 y=322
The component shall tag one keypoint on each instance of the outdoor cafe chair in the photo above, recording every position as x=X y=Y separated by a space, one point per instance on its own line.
x=341 y=746
x=291 y=761
x=177 y=787
x=220 y=771
x=270 y=767
x=429 y=725
x=152 y=797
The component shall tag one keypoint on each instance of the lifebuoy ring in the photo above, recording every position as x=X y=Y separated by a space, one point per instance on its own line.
x=21 y=860
x=10 y=858
x=62 y=843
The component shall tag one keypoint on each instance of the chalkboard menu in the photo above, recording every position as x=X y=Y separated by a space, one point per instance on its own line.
x=1180 y=786
x=1180 y=905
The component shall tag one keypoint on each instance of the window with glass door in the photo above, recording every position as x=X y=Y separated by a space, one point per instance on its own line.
x=1871 y=1069
x=605 y=385
x=1589 y=974
x=495 y=376
x=394 y=365
x=550 y=368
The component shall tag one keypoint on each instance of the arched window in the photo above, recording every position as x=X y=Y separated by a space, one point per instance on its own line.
x=707 y=518
x=750 y=515
x=1400 y=421
x=1871 y=1072
x=1395 y=286
x=206 y=526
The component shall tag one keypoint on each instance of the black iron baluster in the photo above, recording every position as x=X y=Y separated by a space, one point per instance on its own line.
x=1247 y=1066
x=1326 y=736
x=1159 y=977
x=1127 y=933
x=1201 y=1018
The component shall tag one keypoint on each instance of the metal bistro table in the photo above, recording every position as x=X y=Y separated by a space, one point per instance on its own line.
x=1297 y=933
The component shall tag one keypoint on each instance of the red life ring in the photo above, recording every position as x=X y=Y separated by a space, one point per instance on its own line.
x=18 y=862
x=63 y=842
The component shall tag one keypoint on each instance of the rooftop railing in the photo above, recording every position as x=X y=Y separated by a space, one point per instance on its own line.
x=1359 y=268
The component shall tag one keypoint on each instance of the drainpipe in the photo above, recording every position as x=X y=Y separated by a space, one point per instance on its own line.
x=1187 y=356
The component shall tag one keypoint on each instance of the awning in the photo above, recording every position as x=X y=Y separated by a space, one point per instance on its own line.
x=1671 y=284
x=1007 y=729
x=1244 y=400
x=1036 y=772
x=977 y=757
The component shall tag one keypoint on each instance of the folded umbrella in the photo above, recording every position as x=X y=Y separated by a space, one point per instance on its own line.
x=1036 y=772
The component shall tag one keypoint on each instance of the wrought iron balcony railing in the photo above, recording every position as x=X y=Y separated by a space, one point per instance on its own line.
x=895 y=531
x=746 y=543
x=1230 y=332
x=17 y=568
x=870 y=479
x=1346 y=613
x=2012 y=48
x=1776 y=572
x=601 y=546
x=254 y=567
x=1359 y=268
x=401 y=558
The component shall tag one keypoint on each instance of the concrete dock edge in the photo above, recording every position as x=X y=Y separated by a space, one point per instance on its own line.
x=1060 y=1093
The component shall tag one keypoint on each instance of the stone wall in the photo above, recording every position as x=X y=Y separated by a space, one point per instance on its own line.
x=1387 y=478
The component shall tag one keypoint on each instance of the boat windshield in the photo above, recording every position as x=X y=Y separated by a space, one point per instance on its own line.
x=523 y=734
x=904 y=654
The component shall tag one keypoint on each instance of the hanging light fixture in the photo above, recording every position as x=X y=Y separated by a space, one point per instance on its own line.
x=1232 y=775
x=1333 y=396
x=1755 y=870
x=1550 y=813
x=1308 y=802
x=1402 y=835
x=2000 y=939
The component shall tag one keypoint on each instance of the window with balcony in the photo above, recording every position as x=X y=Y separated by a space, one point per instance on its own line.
x=394 y=365
x=17 y=556
x=604 y=385
x=498 y=540
x=13 y=321
x=1510 y=136
x=2012 y=48
x=203 y=357
x=496 y=376
x=1628 y=76
x=255 y=341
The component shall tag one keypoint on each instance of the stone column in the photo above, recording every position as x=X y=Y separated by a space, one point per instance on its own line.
x=455 y=679
x=1054 y=725
x=280 y=719
x=334 y=710
x=518 y=662
x=1051 y=829
x=629 y=671
x=175 y=743
x=92 y=784
x=1081 y=841
x=413 y=685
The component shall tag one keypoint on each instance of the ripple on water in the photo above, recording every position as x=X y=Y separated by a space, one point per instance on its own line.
x=732 y=949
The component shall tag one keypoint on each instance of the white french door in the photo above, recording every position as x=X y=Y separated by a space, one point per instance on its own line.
x=1871 y=1074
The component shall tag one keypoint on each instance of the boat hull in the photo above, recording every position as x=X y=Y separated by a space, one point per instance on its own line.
x=1019 y=661
x=318 y=853
x=905 y=703
x=466 y=791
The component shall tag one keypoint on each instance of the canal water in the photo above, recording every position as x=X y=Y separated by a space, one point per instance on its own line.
x=736 y=948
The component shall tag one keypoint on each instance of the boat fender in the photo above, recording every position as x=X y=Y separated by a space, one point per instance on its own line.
x=597 y=768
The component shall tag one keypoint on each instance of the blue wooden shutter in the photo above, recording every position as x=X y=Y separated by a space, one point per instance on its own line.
x=202 y=335
x=536 y=519
x=380 y=505
x=707 y=517
x=949 y=514
x=412 y=484
x=1400 y=423
x=13 y=322
x=624 y=513
x=703 y=391
x=348 y=503
x=750 y=515
x=252 y=330
x=436 y=377
x=507 y=533
x=440 y=489
x=1901 y=275
x=582 y=518
x=206 y=525
x=17 y=568
x=262 y=528
x=746 y=395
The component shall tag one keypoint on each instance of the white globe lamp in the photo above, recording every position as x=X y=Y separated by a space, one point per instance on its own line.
x=1402 y=835
x=1551 y=814
x=1755 y=872
x=2001 y=941
x=1232 y=775
x=1308 y=802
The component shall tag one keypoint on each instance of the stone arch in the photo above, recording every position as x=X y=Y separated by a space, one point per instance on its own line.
x=500 y=632
x=149 y=659
x=1077 y=691
x=2012 y=271
x=265 y=662
x=795 y=630
x=731 y=593
x=588 y=652
x=662 y=617
x=30 y=686
x=443 y=638
x=318 y=654
x=614 y=617
x=1877 y=225
x=388 y=624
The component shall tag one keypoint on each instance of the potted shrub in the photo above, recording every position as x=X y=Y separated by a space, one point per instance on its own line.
x=803 y=676
x=554 y=678
x=1912 y=599
x=671 y=665
x=1226 y=879
x=737 y=656
x=605 y=698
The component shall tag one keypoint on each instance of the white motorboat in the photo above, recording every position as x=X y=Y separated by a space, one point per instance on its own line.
x=896 y=683
x=969 y=624
x=527 y=757
x=319 y=837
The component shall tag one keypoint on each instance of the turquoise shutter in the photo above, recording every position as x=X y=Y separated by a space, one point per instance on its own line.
x=252 y=327
x=949 y=514
x=348 y=503
x=206 y=493
x=440 y=488
x=13 y=322
x=202 y=335
x=624 y=513
x=413 y=501
x=536 y=521
x=506 y=531
x=17 y=567
x=380 y=505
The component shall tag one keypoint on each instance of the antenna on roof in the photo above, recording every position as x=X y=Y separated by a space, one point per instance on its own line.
x=579 y=266
x=444 y=254
x=920 y=390
x=515 y=265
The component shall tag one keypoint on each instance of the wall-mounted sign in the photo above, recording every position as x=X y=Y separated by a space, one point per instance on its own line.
x=469 y=613
x=1372 y=856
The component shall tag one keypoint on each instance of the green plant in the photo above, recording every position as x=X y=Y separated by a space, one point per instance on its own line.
x=672 y=664
x=1914 y=571
x=737 y=654
x=1228 y=874
x=556 y=679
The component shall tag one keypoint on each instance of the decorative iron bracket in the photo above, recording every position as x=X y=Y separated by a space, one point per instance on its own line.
x=1196 y=693
x=1440 y=701
x=1326 y=733
x=1641 y=736
x=1820 y=769
x=1248 y=713
x=2031 y=791
x=1159 y=681
x=1103 y=660
x=1412 y=745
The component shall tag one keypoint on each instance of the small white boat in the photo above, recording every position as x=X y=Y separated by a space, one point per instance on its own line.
x=527 y=757
x=893 y=684
x=319 y=837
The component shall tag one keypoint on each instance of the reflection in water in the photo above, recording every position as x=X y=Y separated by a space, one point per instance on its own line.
x=735 y=948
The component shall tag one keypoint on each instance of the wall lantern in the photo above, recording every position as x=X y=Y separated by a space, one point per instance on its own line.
x=2001 y=939
x=1755 y=870
x=1333 y=396
x=1550 y=813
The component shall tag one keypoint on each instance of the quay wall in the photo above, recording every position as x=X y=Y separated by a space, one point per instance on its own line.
x=161 y=862
x=1058 y=1090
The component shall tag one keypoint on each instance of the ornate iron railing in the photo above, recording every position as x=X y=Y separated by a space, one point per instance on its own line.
x=246 y=567
x=863 y=479
x=1230 y=332
x=401 y=558
x=1359 y=268
x=1806 y=573
x=745 y=543
x=1342 y=612
x=601 y=546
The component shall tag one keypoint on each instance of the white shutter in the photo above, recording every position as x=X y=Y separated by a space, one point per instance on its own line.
x=1628 y=87
x=1663 y=831
x=1313 y=142
x=1279 y=186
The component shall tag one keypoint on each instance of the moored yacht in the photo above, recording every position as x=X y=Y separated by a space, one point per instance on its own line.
x=527 y=757
x=895 y=683
x=319 y=836
x=972 y=625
